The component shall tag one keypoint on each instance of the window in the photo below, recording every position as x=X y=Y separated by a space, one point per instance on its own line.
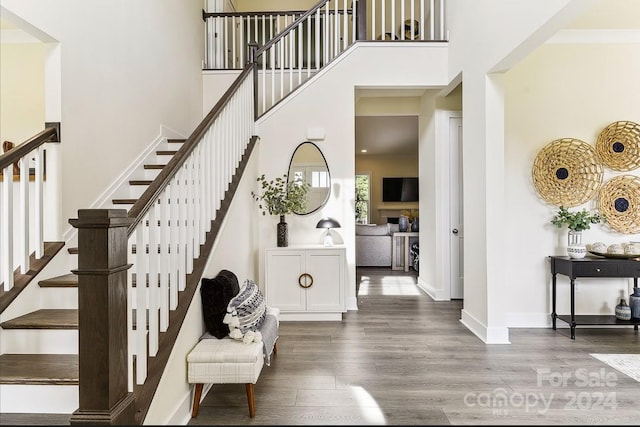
x=362 y=198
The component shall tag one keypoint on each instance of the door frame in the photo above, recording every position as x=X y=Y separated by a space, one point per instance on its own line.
x=443 y=237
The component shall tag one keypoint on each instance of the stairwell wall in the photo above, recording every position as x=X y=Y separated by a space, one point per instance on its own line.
x=126 y=69
x=328 y=101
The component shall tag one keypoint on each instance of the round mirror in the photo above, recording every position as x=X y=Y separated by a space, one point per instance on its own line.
x=309 y=165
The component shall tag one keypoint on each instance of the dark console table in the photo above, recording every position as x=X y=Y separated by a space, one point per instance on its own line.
x=591 y=267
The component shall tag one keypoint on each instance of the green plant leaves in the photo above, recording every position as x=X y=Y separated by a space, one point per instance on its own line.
x=576 y=221
x=281 y=197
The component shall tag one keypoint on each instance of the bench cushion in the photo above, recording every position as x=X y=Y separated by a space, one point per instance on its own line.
x=225 y=361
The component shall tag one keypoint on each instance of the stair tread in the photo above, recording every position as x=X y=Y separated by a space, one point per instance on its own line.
x=56 y=318
x=39 y=369
x=123 y=201
x=154 y=166
x=65 y=281
x=140 y=182
x=176 y=140
x=166 y=152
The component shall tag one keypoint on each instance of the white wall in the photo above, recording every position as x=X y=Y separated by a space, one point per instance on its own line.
x=486 y=37
x=171 y=403
x=560 y=91
x=329 y=102
x=126 y=69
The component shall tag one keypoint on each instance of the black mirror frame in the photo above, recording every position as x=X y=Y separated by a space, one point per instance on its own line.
x=326 y=199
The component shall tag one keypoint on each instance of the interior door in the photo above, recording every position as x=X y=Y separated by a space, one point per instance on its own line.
x=456 y=209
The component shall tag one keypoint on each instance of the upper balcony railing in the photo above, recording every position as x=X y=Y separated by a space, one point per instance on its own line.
x=291 y=47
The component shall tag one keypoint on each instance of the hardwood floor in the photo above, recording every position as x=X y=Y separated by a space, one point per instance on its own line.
x=403 y=359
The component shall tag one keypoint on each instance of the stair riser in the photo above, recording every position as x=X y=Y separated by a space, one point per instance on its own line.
x=38 y=399
x=39 y=341
x=59 y=297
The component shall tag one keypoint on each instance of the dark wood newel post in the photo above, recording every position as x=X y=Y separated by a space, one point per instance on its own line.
x=102 y=318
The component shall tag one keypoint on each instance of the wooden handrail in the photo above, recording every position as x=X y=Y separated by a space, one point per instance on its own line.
x=206 y=15
x=151 y=194
x=19 y=151
x=294 y=24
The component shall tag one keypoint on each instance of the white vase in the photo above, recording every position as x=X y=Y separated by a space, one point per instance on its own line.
x=575 y=248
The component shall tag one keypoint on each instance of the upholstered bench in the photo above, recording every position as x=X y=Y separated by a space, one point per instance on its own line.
x=230 y=361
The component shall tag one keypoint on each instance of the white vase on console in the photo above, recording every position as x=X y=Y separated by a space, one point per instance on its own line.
x=575 y=247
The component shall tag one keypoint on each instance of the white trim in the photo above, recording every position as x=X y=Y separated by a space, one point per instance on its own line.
x=595 y=36
x=352 y=303
x=487 y=335
x=435 y=294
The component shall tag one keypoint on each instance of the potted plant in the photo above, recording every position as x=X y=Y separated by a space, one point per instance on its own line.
x=281 y=197
x=576 y=222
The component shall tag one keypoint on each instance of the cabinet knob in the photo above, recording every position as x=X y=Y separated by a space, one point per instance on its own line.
x=303 y=275
x=598 y=270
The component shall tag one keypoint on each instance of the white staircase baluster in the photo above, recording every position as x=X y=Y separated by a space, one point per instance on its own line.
x=23 y=259
x=164 y=260
x=7 y=228
x=38 y=226
x=154 y=246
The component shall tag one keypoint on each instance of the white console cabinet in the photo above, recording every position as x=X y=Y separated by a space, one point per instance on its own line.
x=306 y=282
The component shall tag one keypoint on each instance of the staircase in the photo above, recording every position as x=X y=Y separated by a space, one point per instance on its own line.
x=39 y=349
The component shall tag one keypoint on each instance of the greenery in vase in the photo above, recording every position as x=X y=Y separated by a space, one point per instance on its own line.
x=280 y=196
x=576 y=221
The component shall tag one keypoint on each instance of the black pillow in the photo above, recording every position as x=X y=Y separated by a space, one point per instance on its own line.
x=216 y=294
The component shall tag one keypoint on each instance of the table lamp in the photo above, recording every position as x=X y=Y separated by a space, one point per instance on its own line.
x=328 y=223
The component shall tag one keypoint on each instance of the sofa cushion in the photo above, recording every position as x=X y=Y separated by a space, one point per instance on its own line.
x=372 y=230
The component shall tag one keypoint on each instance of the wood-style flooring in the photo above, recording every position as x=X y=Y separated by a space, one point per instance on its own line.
x=403 y=359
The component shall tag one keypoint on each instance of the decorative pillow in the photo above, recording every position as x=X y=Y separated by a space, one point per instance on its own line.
x=246 y=313
x=216 y=294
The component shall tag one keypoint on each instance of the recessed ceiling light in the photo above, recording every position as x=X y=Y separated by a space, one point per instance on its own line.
x=363 y=151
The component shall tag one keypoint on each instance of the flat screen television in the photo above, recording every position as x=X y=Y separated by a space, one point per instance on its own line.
x=400 y=189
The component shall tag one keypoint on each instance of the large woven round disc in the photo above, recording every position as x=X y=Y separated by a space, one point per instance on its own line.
x=618 y=146
x=619 y=203
x=567 y=172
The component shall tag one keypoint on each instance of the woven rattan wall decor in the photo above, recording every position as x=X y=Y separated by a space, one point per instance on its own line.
x=619 y=203
x=618 y=146
x=567 y=172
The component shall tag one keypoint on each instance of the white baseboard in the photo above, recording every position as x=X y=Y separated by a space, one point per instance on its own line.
x=182 y=415
x=435 y=294
x=487 y=334
x=352 y=303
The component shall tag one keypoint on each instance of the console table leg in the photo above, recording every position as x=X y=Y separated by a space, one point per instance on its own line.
x=553 y=301
x=573 y=309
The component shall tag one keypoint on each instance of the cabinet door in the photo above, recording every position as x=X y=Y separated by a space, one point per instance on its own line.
x=327 y=269
x=282 y=271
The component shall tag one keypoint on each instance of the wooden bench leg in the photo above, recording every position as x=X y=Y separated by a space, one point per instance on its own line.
x=275 y=347
x=252 y=405
x=196 y=400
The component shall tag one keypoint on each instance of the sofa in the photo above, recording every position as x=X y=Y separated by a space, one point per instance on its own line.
x=373 y=244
